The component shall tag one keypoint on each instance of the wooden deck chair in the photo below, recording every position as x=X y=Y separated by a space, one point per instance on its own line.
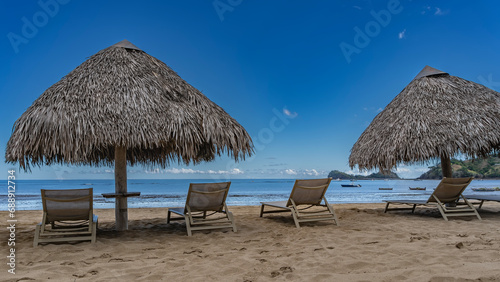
x=204 y=200
x=483 y=198
x=67 y=216
x=445 y=197
x=306 y=194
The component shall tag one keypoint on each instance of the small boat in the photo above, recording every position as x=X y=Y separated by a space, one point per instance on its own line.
x=350 y=185
x=484 y=189
x=418 y=188
x=385 y=188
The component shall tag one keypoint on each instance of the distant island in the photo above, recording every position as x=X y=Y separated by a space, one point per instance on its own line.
x=336 y=174
x=477 y=168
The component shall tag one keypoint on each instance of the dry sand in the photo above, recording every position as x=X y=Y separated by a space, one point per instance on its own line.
x=367 y=246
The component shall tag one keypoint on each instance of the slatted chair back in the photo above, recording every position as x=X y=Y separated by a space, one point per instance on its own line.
x=207 y=196
x=309 y=191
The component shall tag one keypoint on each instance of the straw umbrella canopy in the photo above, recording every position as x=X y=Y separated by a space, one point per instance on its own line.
x=435 y=116
x=123 y=106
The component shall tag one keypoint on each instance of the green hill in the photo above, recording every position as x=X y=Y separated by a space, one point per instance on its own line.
x=477 y=168
x=342 y=175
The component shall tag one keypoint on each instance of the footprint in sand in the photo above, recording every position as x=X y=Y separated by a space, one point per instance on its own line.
x=193 y=251
x=92 y=272
x=119 y=260
x=282 y=270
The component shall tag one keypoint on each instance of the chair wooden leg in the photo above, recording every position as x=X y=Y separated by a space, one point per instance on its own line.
x=386 y=207
x=330 y=208
x=94 y=231
x=188 y=225
x=441 y=210
x=261 y=210
x=481 y=204
x=37 y=235
x=294 y=215
x=231 y=219
x=168 y=216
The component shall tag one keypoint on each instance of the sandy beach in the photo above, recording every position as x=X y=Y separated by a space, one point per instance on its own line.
x=367 y=246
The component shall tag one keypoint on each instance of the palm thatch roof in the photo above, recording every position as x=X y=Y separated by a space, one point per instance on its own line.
x=436 y=115
x=122 y=96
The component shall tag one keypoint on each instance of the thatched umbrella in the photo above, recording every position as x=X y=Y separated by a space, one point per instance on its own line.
x=124 y=106
x=435 y=116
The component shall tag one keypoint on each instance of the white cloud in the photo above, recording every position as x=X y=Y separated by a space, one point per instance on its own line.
x=357 y=172
x=236 y=171
x=98 y=171
x=182 y=170
x=379 y=110
x=439 y=12
x=402 y=170
x=194 y=171
x=426 y=9
x=304 y=172
x=402 y=34
x=357 y=7
x=312 y=172
x=290 y=114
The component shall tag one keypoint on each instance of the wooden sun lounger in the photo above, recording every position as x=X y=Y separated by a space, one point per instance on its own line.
x=445 y=197
x=205 y=198
x=309 y=193
x=67 y=216
x=483 y=198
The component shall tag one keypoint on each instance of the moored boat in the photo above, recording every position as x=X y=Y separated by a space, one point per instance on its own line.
x=418 y=188
x=388 y=188
x=350 y=185
x=484 y=189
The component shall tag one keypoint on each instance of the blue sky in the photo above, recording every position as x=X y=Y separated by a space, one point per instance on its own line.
x=325 y=67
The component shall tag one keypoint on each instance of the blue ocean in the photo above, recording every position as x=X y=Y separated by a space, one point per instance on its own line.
x=172 y=192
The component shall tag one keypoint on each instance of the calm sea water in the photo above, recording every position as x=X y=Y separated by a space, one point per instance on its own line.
x=172 y=192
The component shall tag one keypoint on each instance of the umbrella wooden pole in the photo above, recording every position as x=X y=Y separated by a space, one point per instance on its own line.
x=446 y=167
x=121 y=213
